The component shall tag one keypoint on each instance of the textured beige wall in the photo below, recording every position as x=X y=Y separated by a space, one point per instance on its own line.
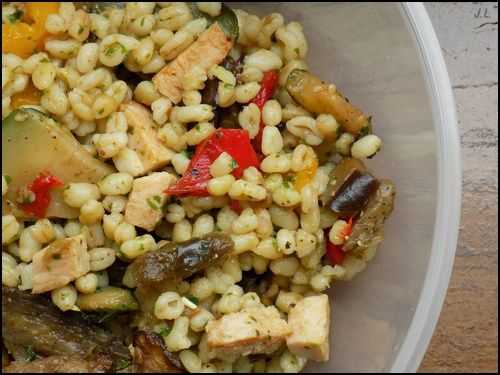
x=466 y=338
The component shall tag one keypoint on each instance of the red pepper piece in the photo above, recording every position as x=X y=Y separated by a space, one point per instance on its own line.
x=267 y=87
x=41 y=187
x=235 y=142
x=334 y=253
x=348 y=229
x=235 y=206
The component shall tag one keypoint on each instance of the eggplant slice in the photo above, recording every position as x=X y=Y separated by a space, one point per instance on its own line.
x=101 y=363
x=179 y=261
x=150 y=354
x=32 y=321
x=368 y=230
x=352 y=196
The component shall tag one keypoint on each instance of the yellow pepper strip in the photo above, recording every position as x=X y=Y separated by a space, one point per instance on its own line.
x=30 y=95
x=22 y=38
x=305 y=176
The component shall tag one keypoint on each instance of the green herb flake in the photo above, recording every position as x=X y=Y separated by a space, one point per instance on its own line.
x=121 y=364
x=16 y=16
x=45 y=60
x=193 y=299
x=275 y=243
x=297 y=51
x=155 y=202
x=80 y=30
x=142 y=21
x=8 y=179
x=30 y=354
x=234 y=164
x=114 y=48
x=217 y=228
x=165 y=331
x=56 y=256
x=365 y=130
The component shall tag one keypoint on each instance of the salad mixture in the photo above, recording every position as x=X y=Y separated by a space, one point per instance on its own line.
x=179 y=190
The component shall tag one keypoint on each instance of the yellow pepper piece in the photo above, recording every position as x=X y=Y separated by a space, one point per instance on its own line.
x=22 y=38
x=30 y=95
x=305 y=176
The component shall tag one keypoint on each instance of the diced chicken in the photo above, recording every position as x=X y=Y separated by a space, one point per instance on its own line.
x=210 y=49
x=60 y=263
x=143 y=137
x=144 y=206
x=309 y=321
x=255 y=330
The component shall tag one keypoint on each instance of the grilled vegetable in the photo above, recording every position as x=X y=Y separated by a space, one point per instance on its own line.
x=338 y=176
x=62 y=364
x=32 y=321
x=108 y=299
x=368 y=231
x=319 y=97
x=228 y=117
x=178 y=261
x=235 y=142
x=150 y=354
x=42 y=145
x=227 y=19
x=352 y=196
x=268 y=85
x=209 y=92
x=24 y=38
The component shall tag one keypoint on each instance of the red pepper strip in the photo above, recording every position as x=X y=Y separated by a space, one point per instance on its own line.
x=348 y=229
x=235 y=206
x=334 y=253
x=40 y=187
x=267 y=87
x=235 y=142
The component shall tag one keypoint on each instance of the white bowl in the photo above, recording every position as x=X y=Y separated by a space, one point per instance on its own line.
x=385 y=57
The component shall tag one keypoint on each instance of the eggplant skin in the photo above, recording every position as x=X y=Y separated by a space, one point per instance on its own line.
x=150 y=355
x=33 y=321
x=352 y=196
x=179 y=261
x=62 y=364
x=368 y=230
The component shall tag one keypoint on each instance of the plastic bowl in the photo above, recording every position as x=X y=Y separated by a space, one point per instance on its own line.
x=385 y=57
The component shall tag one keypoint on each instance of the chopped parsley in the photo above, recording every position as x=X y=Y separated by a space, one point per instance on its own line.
x=56 y=256
x=45 y=60
x=297 y=51
x=365 y=130
x=142 y=21
x=193 y=299
x=8 y=179
x=114 y=48
x=165 y=331
x=187 y=153
x=155 y=202
x=30 y=354
x=234 y=164
x=288 y=181
x=121 y=364
x=217 y=228
x=80 y=29
x=16 y=16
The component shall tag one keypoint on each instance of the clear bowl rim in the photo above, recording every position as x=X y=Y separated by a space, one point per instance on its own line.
x=449 y=191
